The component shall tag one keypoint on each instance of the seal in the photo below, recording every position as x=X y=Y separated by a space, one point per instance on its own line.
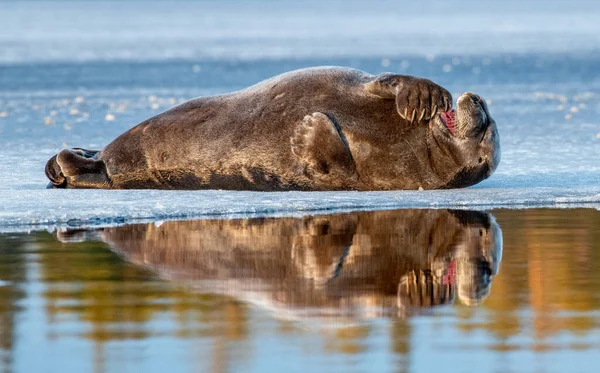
x=324 y=128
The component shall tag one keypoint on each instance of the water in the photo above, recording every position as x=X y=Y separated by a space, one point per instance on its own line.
x=514 y=291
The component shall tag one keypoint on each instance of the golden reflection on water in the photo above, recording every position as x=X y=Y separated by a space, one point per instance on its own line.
x=551 y=267
x=331 y=272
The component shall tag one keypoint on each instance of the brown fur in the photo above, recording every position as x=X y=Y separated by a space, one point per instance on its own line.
x=311 y=129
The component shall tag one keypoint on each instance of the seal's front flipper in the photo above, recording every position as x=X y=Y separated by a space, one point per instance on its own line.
x=76 y=168
x=320 y=251
x=417 y=99
x=319 y=143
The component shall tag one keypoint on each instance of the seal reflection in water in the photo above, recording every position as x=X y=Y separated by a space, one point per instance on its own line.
x=327 y=128
x=383 y=263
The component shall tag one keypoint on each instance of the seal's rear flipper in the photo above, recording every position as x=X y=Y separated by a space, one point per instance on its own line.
x=319 y=143
x=57 y=179
x=76 y=168
x=76 y=235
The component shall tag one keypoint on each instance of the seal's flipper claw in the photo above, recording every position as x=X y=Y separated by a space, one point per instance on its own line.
x=414 y=96
x=76 y=168
x=319 y=143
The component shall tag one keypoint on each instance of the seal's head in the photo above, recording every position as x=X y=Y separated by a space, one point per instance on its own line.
x=468 y=138
x=478 y=253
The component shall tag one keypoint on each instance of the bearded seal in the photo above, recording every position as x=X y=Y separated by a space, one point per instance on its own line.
x=324 y=128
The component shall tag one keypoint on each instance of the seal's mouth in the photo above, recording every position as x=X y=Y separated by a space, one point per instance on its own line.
x=449 y=119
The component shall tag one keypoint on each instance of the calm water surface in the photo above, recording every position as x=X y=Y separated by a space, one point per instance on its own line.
x=389 y=291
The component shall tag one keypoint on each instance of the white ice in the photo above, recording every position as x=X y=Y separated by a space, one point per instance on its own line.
x=67 y=69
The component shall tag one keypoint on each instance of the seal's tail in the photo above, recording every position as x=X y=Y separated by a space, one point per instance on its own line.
x=76 y=168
